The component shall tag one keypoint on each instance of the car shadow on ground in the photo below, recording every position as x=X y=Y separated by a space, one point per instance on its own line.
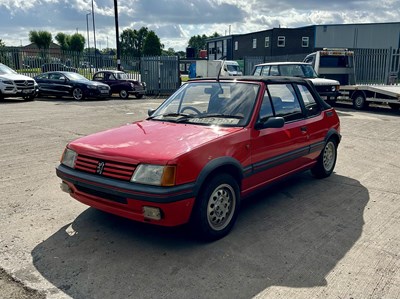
x=292 y=234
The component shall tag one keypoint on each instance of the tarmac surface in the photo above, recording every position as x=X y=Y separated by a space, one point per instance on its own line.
x=302 y=238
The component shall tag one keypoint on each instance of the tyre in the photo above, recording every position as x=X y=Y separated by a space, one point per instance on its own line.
x=77 y=94
x=216 y=208
x=394 y=106
x=139 y=96
x=326 y=161
x=359 y=101
x=123 y=94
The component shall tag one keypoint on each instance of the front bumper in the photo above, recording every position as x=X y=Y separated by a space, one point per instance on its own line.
x=93 y=93
x=15 y=92
x=128 y=199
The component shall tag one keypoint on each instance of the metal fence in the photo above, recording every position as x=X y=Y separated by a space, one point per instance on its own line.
x=161 y=73
x=372 y=66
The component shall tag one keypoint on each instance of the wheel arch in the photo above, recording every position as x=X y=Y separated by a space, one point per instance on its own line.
x=227 y=165
x=333 y=134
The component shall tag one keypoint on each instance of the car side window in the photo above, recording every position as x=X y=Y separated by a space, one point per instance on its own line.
x=266 y=108
x=257 y=71
x=285 y=102
x=274 y=71
x=312 y=107
x=265 y=70
x=99 y=77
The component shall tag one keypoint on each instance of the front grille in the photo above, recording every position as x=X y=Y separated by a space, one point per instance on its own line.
x=324 y=88
x=24 y=83
x=115 y=170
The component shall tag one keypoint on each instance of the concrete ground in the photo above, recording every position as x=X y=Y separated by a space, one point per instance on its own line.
x=303 y=238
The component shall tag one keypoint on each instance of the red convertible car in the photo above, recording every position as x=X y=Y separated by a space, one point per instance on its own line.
x=205 y=149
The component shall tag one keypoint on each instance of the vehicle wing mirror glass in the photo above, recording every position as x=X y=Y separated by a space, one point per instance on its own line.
x=271 y=122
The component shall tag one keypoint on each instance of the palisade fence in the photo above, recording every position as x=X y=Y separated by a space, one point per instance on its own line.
x=372 y=66
x=160 y=73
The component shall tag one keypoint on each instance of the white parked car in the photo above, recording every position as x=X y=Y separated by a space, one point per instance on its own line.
x=13 y=84
x=328 y=89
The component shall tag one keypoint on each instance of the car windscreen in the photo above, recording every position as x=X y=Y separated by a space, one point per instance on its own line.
x=225 y=103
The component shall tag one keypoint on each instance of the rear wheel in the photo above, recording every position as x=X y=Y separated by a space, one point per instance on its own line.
x=77 y=94
x=216 y=208
x=123 y=94
x=326 y=161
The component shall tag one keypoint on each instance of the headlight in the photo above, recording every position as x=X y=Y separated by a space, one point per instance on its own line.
x=92 y=86
x=335 y=87
x=158 y=175
x=68 y=158
x=7 y=82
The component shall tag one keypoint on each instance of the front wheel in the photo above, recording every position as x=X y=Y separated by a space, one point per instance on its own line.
x=359 y=101
x=216 y=208
x=326 y=161
x=77 y=94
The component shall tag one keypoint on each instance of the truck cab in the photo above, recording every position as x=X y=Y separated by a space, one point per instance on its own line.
x=336 y=64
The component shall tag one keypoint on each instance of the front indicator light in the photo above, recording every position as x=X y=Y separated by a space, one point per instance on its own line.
x=152 y=213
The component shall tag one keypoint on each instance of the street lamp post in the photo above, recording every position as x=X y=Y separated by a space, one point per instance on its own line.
x=94 y=37
x=117 y=35
x=87 y=30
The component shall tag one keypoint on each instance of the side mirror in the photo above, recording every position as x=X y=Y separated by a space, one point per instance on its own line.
x=271 y=122
x=150 y=112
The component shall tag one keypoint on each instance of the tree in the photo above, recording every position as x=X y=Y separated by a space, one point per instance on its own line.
x=62 y=40
x=152 y=45
x=76 y=42
x=2 y=44
x=132 y=41
x=199 y=42
x=169 y=52
x=128 y=42
x=42 y=39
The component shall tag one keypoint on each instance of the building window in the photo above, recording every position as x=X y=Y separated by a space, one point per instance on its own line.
x=254 y=43
x=305 y=41
x=236 y=45
x=267 y=41
x=281 y=41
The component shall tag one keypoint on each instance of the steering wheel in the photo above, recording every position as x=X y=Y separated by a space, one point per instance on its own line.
x=190 y=108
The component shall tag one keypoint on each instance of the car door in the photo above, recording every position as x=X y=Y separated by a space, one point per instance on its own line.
x=58 y=84
x=277 y=152
x=314 y=123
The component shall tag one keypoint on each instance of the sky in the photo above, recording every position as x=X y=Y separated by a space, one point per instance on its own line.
x=175 y=21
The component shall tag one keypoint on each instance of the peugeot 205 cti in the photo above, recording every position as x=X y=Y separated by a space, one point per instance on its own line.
x=209 y=145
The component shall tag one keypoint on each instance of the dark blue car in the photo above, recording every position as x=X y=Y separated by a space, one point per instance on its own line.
x=70 y=84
